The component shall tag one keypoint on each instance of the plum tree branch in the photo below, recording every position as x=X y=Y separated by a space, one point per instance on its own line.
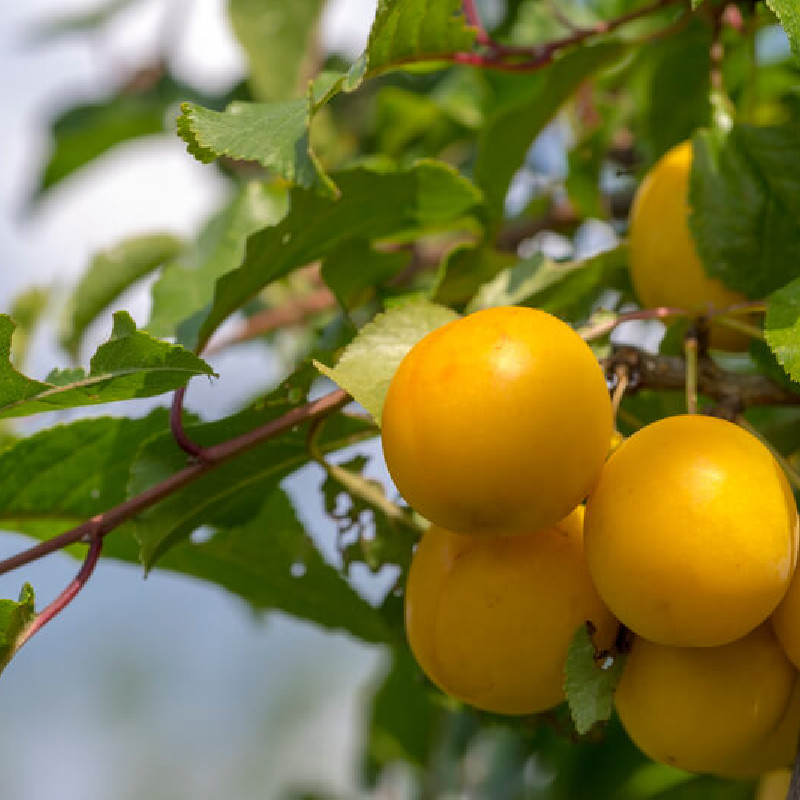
x=733 y=391
x=527 y=58
x=97 y=527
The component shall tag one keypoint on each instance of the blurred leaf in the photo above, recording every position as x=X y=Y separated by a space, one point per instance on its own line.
x=782 y=327
x=26 y=311
x=84 y=132
x=534 y=100
x=186 y=286
x=14 y=618
x=403 y=718
x=745 y=199
x=274 y=135
x=583 y=176
x=671 y=82
x=278 y=41
x=80 y=22
x=131 y=364
x=110 y=273
x=372 y=205
x=565 y=288
x=354 y=270
x=234 y=491
x=411 y=30
x=272 y=563
x=788 y=12
x=366 y=367
x=588 y=685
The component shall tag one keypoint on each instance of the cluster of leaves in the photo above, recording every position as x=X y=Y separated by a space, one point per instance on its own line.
x=399 y=178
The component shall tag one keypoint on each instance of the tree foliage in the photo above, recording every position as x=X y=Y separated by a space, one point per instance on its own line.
x=370 y=203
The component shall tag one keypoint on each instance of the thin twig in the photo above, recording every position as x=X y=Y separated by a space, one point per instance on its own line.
x=176 y=426
x=607 y=326
x=100 y=525
x=794 y=784
x=67 y=596
x=290 y=313
x=690 y=348
x=474 y=21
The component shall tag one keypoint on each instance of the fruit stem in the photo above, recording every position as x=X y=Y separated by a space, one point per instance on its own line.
x=690 y=347
x=743 y=327
x=791 y=473
x=623 y=379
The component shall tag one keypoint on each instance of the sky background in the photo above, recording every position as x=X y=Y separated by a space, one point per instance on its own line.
x=163 y=688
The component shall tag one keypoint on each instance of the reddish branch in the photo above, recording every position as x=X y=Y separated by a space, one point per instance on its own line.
x=517 y=58
x=95 y=529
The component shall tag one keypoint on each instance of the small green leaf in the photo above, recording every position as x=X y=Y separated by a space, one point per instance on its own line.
x=556 y=287
x=110 y=273
x=369 y=362
x=405 y=31
x=131 y=364
x=696 y=4
x=782 y=327
x=788 y=12
x=27 y=310
x=372 y=205
x=275 y=135
x=14 y=618
x=590 y=686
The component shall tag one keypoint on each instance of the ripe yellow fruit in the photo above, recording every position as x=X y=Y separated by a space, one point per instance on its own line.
x=774 y=785
x=775 y=750
x=786 y=621
x=665 y=268
x=498 y=422
x=698 y=707
x=691 y=532
x=490 y=619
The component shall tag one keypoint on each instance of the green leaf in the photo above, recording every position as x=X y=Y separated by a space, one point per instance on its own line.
x=403 y=718
x=277 y=39
x=61 y=476
x=696 y=4
x=234 y=491
x=186 y=286
x=405 y=31
x=272 y=563
x=131 y=364
x=511 y=129
x=788 y=12
x=590 y=686
x=275 y=135
x=745 y=199
x=85 y=132
x=110 y=273
x=354 y=270
x=566 y=288
x=782 y=327
x=372 y=205
x=671 y=86
x=14 y=618
x=367 y=365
